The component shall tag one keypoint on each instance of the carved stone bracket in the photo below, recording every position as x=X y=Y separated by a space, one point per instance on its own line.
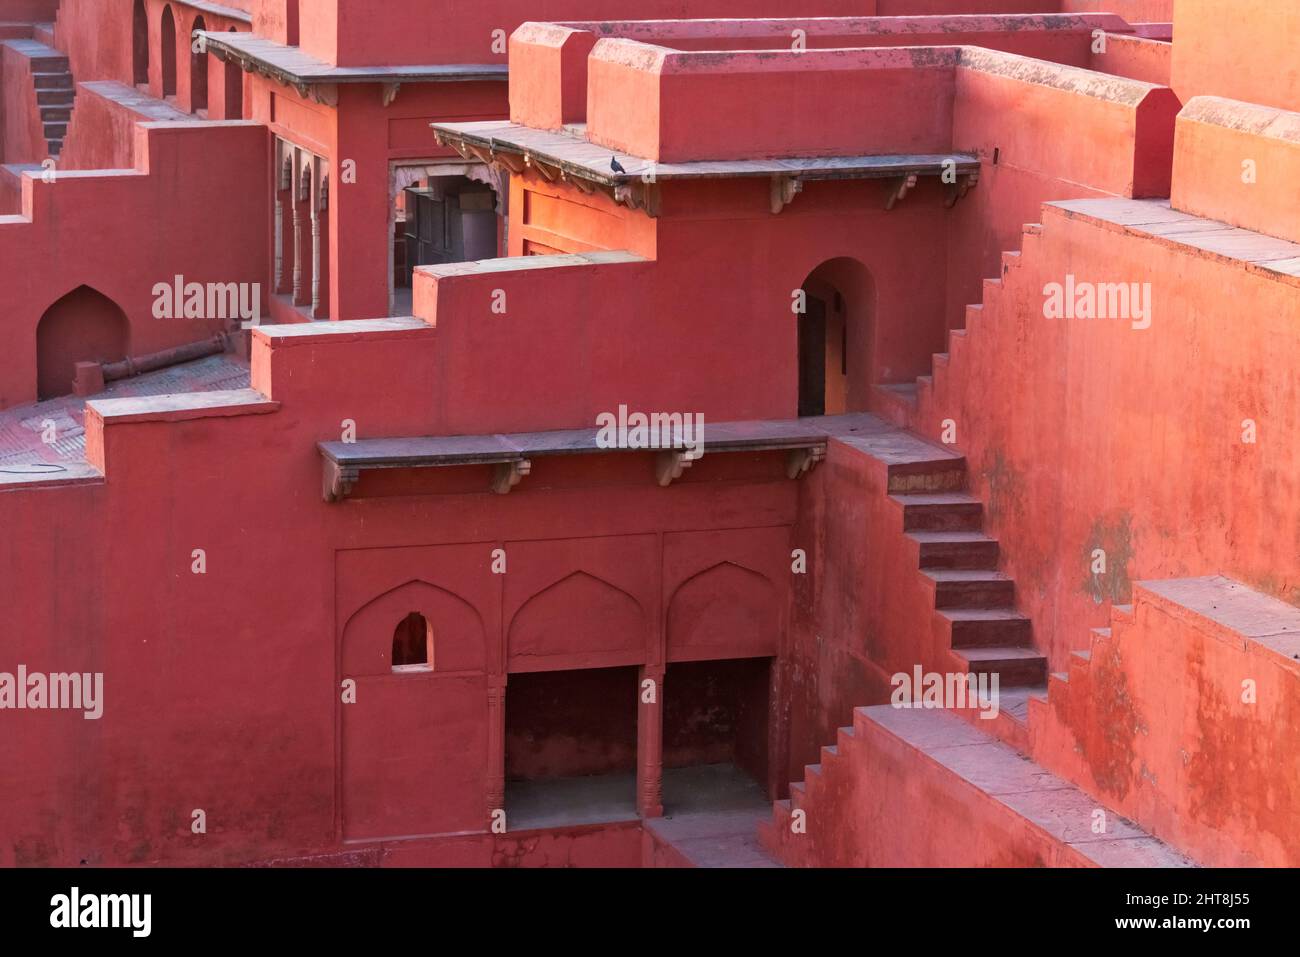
x=545 y=170
x=959 y=189
x=509 y=474
x=784 y=190
x=639 y=195
x=338 y=481
x=801 y=461
x=671 y=463
x=897 y=187
x=390 y=92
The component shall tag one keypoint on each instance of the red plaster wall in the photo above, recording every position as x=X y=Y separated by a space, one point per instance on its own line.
x=23 y=135
x=1217 y=138
x=1240 y=49
x=1064 y=460
x=206 y=228
x=1187 y=759
x=284 y=774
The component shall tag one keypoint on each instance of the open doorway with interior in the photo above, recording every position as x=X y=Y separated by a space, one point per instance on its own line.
x=715 y=734
x=716 y=754
x=571 y=747
x=834 y=338
x=442 y=212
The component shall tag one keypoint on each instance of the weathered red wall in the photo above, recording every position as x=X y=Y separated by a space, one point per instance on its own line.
x=1238 y=163
x=1241 y=49
x=22 y=137
x=207 y=228
x=1064 y=459
x=1204 y=761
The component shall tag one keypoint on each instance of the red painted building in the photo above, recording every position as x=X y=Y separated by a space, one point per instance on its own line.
x=455 y=438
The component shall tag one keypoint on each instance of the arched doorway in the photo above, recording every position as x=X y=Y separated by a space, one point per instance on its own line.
x=140 y=45
x=83 y=326
x=168 y=45
x=234 y=80
x=198 y=70
x=835 y=338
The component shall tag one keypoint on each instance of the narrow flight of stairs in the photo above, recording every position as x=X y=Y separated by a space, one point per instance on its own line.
x=52 y=78
x=975 y=602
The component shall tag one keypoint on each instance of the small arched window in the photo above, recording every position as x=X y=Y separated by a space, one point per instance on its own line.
x=413 y=644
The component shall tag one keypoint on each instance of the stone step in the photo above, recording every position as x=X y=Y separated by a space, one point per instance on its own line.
x=971 y=588
x=52 y=81
x=54 y=97
x=56 y=114
x=1015 y=667
x=55 y=131
x=988 y=627
x=955 y=549
x=951 y=511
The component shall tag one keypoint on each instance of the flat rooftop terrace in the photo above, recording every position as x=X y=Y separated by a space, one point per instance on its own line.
x=26 y=458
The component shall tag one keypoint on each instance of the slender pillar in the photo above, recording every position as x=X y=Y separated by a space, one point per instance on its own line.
x=284 y=227
x=279 y=240
x=650 y=741
x=302 y=240
x=315 y=261
x=496 y=776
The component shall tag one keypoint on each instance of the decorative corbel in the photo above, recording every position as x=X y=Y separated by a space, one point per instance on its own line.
x=671 y=463
x=338 y=480
x=509 y=474
x=959 y=189
x=547 y=171
x=784 y=190
x=584 y=185
x=639 y=195
x=897 y=187
x=326 y=94
x=390 y=91
x=801 y=461
x=513 y=162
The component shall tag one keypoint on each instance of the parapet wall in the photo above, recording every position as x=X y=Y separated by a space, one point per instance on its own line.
x=1183 y=717
x=1239 y=163
x=549 y=61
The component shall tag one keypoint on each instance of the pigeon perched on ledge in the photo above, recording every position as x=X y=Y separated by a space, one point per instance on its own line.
x=615 y=165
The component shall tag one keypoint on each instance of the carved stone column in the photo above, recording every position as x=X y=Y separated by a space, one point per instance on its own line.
x=496 y=774
x=650 y=741
x=302 y=239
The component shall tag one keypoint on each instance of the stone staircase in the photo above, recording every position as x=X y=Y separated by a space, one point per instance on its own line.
x=52 y=77
x=54 y=89
x=974 y=602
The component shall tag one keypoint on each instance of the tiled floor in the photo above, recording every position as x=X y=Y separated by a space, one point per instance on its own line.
x=48 y=438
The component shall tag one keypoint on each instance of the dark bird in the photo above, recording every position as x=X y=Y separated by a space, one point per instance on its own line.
x=615 y=165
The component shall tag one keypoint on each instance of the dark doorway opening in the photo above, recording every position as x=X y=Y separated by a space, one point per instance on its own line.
x=168 y=50
x=198 y=71
x=83 y=326
x=571 y=747
x=450 y=219
x=716 y=715
x=140 y=45
x=835 y=339
x=234 y=81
